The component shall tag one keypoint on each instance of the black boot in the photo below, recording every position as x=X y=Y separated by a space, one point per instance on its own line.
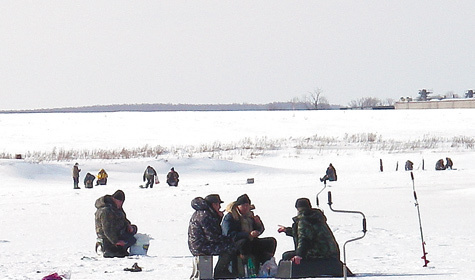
x=221 y=271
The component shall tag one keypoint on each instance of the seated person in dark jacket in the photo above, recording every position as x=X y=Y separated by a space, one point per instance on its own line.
x=330 y=174
x=409 y=165
x=312 y=236
x=114 y=231
x=245 y=228
x=205 y=236
x=439 y=165
x=172 y=178
x=89 y=180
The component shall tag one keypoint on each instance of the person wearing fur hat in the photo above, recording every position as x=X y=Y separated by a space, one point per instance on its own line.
x=312 y=236
x=205 y=235
x=115 y=233
x=245 y=228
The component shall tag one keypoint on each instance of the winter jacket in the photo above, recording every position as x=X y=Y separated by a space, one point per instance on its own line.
x=204 y=231
x=233 y=223
x=111 y=222
x=76 y=171
x=172 y=177
x=313 y=238
x=439 y=165
x=331 y=173
x=149 y=173
x=102 y=175
x=89 y=177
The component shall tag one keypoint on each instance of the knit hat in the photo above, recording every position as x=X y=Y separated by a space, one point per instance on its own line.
x=303 y=203
x=243 y=199
x=213 y=198
x=119 y=195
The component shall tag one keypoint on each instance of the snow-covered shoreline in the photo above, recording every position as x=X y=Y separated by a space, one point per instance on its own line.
x=49 y=227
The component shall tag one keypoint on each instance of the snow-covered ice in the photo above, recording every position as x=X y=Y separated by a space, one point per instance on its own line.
x=46 y=226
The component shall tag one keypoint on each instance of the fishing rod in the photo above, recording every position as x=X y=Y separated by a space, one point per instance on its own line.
x=424 y=256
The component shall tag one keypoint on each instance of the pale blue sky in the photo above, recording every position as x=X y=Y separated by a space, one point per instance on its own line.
x=75 y=53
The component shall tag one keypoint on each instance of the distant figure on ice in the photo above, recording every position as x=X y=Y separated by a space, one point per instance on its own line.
x=89 y=180
x=409 y=165
x=149 y=175
x=449 y=163
x=330 y=174
x=115 y=233
x=205 y=235
x=172 y=178
x=102 y=177
x=315 y=245
x=439 y=165
x=76 y=171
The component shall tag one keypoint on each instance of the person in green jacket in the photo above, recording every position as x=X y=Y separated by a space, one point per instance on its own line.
x=313 y=238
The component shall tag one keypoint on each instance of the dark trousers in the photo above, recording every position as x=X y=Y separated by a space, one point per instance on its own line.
x=263 y=249
x=76 y=182
x=287 y=256
x=221 y=269
x=111 y=250
x=149 y=182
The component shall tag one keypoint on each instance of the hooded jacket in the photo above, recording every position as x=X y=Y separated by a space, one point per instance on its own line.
x=111 y=222
x=313 y=238
x=204 y=231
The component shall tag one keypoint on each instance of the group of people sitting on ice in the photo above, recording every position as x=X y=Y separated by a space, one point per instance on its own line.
x=236 y=237
x=439 y=165
x=89 y=178
x=150 y=175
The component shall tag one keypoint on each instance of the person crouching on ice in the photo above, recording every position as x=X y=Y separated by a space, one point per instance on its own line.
x=312 y=236
x=114 y=231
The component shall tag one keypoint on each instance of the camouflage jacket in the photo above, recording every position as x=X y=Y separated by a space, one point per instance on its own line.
x=111 y=222
x=204 y=231
x=313 y=237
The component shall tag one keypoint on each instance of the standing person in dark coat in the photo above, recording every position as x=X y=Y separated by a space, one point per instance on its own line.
x=172 y=178
x=114 y=231
x=89 y=180
x=313 y=238
x=149 y=175
x=245 y=228
x=205 y=235
x=76 y=171
x=330 y=174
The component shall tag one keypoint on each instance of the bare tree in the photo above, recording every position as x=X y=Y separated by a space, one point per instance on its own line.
x=364 y=102
x=387 y=102
x=314 y=98
x=323 y=103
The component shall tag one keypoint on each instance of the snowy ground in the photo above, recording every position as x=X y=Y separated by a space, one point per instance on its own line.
x=46 y=226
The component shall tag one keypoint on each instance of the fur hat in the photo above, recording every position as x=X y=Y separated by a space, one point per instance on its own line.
x=303 y=203
x=243 y=199
x=213 y=198
x=119 y=195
